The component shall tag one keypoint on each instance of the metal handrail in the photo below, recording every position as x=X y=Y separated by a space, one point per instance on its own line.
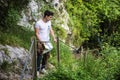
x=67 y=45
x=25 y=65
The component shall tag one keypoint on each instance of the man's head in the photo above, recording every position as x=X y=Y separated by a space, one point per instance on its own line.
x=48 y=15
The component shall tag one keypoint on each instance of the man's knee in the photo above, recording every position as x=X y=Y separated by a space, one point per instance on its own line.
x=40 y=48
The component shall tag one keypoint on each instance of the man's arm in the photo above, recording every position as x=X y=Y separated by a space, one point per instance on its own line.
x=37 y=33
x=53 y=35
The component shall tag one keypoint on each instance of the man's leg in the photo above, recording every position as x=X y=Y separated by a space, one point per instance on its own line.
x=39 y=55
x=45 y=59
x=39 y=58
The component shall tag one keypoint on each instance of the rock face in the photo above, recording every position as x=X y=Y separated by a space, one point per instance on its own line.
x=33 y=12
x=12 y=60
x=10 y=54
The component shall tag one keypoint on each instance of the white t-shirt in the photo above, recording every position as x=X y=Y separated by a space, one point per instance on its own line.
x=44 y=29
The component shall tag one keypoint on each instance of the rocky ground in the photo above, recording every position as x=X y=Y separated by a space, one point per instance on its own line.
x=12 y=60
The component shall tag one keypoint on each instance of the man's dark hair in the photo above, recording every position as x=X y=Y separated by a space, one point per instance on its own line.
x=48 y=13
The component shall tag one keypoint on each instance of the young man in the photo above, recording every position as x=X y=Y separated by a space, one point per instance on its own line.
x=42 y=30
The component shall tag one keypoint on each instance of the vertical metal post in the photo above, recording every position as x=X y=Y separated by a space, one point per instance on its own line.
x=84 y=57
x=58 y=52
x=34 y=60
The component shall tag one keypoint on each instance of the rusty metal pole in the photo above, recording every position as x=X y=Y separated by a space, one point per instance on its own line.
x=35 y=61
x=58 y=52
x=84 y=59
x=33 y=58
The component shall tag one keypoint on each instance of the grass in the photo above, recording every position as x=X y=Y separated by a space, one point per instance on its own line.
x=17 y=37
x=105 y=67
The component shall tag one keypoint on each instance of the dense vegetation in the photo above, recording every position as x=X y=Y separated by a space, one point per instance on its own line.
x=89 y=67
x=94 y=22
x=10 y=32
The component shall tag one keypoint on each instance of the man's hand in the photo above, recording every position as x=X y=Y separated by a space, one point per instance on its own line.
x=55 y=40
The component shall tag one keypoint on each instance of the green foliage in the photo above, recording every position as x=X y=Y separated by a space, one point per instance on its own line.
x=84 y=21
x=18 y=5
x=60 y=32
x=113 y=39
x=12 y=19
x=9 y=39
x=17 y=37
x=87 y=16
x=5 y=66
x=10 y=32
x=45 y=6
x=116 y=39
x=61 y=73
x=105 y=67
x=10 y=11
x=65 y=54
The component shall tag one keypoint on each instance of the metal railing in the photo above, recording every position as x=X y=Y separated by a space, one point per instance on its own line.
x=32 y=53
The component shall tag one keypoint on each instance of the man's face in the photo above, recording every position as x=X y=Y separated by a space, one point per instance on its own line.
x=48 y=18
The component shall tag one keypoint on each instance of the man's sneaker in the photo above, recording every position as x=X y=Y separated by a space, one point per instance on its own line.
x=43 y=71
x=38 y=73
